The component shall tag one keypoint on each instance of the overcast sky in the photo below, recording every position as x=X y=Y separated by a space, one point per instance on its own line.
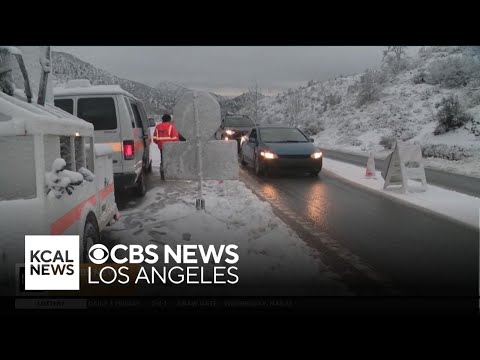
x=229 y=70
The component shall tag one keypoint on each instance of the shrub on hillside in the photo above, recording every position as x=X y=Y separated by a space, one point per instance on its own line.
x=443 y=151
x=387 y=141
x=313 y=127
x=453 y=71
x=370 y=87
x=450 y=115
x=420 y=77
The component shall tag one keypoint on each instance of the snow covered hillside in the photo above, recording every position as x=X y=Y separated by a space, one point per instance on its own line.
x=364 y=112
x=156 y=100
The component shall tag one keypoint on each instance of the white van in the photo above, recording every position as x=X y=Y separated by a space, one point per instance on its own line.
x=120 y=120
x=34 y=139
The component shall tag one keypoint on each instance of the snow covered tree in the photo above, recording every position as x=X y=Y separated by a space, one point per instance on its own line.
x=450 y=115
x=394 y=59
x=370 y=87
x=454 y=71
x=294 y=107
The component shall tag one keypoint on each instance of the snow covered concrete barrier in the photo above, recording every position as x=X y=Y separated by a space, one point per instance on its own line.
x=219 y=160
x=197 y=116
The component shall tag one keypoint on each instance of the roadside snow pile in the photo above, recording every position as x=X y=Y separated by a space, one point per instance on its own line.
x=269 y=250
x=409 y=105
x=460 y=207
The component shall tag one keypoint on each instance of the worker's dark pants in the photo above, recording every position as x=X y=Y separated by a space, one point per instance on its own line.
x=161 y=163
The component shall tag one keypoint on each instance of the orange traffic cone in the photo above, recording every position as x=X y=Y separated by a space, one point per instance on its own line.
x=370 y=170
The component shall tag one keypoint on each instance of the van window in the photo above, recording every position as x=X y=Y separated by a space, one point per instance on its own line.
x=80 y=159
x=17 y=177
x=136 y=115
x=65 y=105
x=98 y=111
x=66 y=151
x=130 y=113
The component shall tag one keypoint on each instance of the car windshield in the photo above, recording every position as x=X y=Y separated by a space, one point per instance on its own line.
x=274 y=135
x=238 y=121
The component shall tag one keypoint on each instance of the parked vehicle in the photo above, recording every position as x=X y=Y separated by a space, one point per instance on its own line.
x=54 y=179
x=234 y=127
x=120 y=120
x=280 y=148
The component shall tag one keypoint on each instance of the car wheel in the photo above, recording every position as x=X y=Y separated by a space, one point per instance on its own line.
x=259 y=170
x=314 y=173
x=242 y=160
x=141 y=187
x=91 y=236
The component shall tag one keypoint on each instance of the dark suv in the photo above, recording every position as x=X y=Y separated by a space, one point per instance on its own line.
x=234 y=127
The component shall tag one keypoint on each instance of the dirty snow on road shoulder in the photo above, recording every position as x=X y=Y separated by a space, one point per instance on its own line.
x=267 y=247
x=460 y=207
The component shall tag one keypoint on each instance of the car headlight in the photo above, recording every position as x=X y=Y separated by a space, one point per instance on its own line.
x=316 y=155
x=230 y=132
x=268 y=155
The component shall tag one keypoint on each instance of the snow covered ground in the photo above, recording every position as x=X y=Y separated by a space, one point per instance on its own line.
x=460 y=207
x=406 y=109
x=268 y=249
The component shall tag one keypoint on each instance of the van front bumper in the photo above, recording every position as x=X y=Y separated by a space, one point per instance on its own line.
x=124 y=180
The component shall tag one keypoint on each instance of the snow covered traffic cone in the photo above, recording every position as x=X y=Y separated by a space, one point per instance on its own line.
x=370 y=170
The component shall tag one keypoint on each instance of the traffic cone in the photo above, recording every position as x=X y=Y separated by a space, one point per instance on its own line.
x=370 y=170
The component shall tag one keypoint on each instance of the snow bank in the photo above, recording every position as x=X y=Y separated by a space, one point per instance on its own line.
x=459 y=207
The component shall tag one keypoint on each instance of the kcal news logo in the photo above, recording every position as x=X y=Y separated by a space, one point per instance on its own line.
x=52 y=262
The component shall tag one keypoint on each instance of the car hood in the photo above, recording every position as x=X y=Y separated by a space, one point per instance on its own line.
x=291 y=148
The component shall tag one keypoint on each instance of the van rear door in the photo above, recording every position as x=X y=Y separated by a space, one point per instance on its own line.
x=102 y=112
x=140 y=135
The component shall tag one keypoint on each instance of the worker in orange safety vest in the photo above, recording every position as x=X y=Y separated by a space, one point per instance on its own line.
x=164 y=132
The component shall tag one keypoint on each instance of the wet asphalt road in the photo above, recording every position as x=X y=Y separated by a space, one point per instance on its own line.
x=420 y=253
x=461 y=183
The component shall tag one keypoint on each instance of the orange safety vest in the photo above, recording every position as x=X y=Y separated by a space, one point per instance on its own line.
x=165 y=132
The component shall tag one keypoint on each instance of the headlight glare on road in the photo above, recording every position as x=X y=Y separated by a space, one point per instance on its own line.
x=316 y=155
x=230 y=132
x=268 y=155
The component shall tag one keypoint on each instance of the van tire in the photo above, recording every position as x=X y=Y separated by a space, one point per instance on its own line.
x=91 y=236
x=141 y=186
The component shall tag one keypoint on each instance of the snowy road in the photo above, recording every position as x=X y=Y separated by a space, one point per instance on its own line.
x=421 y=253
x=461 y=183
x=273 y=259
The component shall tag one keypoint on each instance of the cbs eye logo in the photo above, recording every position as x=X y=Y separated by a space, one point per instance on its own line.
x=98 y=254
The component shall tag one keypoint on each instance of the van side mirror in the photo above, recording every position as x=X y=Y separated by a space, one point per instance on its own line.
x=252 y=140
x=311 y=140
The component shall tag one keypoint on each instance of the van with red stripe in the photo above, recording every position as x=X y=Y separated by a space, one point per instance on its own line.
x=34 y=139
x=119 y=120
